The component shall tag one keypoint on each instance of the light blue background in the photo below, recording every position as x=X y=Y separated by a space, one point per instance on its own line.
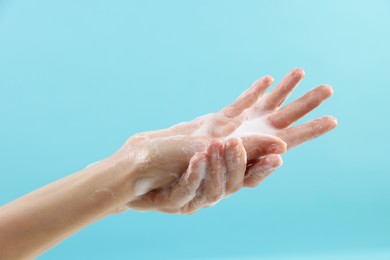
x=77 y=78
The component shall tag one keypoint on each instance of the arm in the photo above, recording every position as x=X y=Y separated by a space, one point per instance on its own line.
x=163 y=170
x=159 y=174
x=41 y=219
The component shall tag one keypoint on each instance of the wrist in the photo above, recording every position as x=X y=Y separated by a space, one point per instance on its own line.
x=113 y=180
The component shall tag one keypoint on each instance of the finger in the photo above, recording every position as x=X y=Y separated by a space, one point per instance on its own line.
x=235 y=161
x=280 y=93
x=248 y=98
x=300 y=107
x=299 y=134
x=182 y=192
x=257 y=172
x=259 y=145
x=212 y=189
x=185 y=190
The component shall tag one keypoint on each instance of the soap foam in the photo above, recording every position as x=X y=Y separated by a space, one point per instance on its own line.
x=253 y=124
x=253 y=127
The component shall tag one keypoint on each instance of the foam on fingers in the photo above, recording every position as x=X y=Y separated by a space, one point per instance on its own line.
x=257 y=172
x=260 y=145
x=235 y=161
x=185 y=190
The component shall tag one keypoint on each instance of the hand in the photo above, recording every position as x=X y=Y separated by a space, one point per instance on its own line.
x=253 y=104
x=181 y=174
x=258 y=113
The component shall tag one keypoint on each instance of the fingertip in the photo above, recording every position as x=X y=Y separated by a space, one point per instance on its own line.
x=326 y=89
x=280 y=146
x=298 y=72
x=268 y=79
x=284 y=147
x=232 y=142
x=197 y=167
x=234 y=152
x=274 y=161
x=262 y=169
x=250 y=184
x=334 y=121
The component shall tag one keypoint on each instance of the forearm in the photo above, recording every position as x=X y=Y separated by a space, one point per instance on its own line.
x=43 y=218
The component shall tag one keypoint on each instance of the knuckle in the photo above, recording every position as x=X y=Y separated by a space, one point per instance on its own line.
x=251 y=96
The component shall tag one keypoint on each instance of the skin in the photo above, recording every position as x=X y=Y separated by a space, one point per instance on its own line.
x=213 y=168
x=171 y=170
x=253 y=101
